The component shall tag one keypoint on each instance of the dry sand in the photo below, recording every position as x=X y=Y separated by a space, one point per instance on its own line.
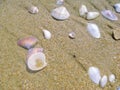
x=68 y=59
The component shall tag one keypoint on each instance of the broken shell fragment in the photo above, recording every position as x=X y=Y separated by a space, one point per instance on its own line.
x=33 y=10
x=92 y=15
x=60 y=13
x=103 y=81
x=112 y=78
x=60 y=2
x=117 y=7
x=36 y=61
x=108 y=14
x=83 y=11
x=93 y=30
x=27 y=42
x=47 y=34
x=72 y=35
x=94 y=74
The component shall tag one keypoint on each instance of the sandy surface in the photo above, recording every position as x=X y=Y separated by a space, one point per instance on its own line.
x=68 y=59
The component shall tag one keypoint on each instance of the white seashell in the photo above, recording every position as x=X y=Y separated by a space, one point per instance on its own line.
x=33 y=10
x=94 y=74
x=60 y=2
x=83 y=11
x=60 y=13
x=109 y=15
x=47 y=34
x=36 y=61
x=103 y=81
x=117 y=7
x=92 y=15
x=118 y=88
x=93 y=30
x=72 y=35
x=112 y=78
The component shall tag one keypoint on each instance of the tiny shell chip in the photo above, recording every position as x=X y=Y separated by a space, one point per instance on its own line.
x=93 y=30
x=94 y=74
x=109 y=15
x=72 y=35
x=27 y=42
x=103 y=81
x=92 y=15
x=117 y=7
x=36 y=61
x=60 y=13
x=33 y=10
x=83 y=11
x=47 y=34
x=112 y=78
x=60 y=2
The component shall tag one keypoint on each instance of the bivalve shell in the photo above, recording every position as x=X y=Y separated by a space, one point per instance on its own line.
x=112 y=78
x=94 y=74
x=83 y=11
x=47 y=34
x=92 y=15
x=60 y=13
x=33 y=10
x=93 y=30
x=117 y=7
x=103 y=81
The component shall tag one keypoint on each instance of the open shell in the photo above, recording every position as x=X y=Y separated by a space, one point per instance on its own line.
x=103 y=81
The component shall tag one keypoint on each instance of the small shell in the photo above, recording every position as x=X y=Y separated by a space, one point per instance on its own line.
x=60 y=2
x=60 y=13
x=92 y=15
x=27 y=42
x=109 y=15
x=93 y=30
x=117 y=7
x=83 y=11
x=47 y=34
x=112 y=78
x=36 y=61
x=103 y=81
x=33 y=10
x=72 y=35
x=94 y=74
x=118 y=88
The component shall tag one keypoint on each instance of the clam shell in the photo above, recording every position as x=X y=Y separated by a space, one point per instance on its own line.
x=112 y=78
x=109 y=15
x=33 y=10
x=103 y=81
x=92 y=15
x=47 y=34
x=27 y=42
x=60 y=2
x=93 y=30
x=94 y=74
x=72 y=35
x=60 y=13
x=117 y=7
x=83 y=11
x=36 y=61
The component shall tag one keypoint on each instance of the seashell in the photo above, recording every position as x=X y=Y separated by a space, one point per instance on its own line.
x=117 y=7
x=83 y=11
x=72 y=35
x=109 y=15
x=112 y=78
x=92 y=15
x=60 y=13
x=93 y=30
x=27 y=42
x=118 y=88
x=60 y=2
x=36 y=61
x=33 y=10
x=33 y=51
x=47 y=34
x=94 y=74
x=103 y=81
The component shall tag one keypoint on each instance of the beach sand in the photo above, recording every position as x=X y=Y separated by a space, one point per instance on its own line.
x=68 y=59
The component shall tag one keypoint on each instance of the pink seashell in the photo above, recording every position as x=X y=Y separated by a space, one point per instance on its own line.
x=27 y=42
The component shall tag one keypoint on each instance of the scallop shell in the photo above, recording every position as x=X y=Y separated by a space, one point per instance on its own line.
x=93 y=30
x=60 y=13
x=94 y=74
x=103 y=81
x=117 y=7
x=60 y=2
x=47 y=34
x=109 y=15
x=36 y=61
x=112 y=78
x=72 y=35
x=92 y=15
x=33 y=10
x=83 y=11
x=27 y=42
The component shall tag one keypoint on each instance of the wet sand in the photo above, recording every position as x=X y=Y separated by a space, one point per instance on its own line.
x=68 y=59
